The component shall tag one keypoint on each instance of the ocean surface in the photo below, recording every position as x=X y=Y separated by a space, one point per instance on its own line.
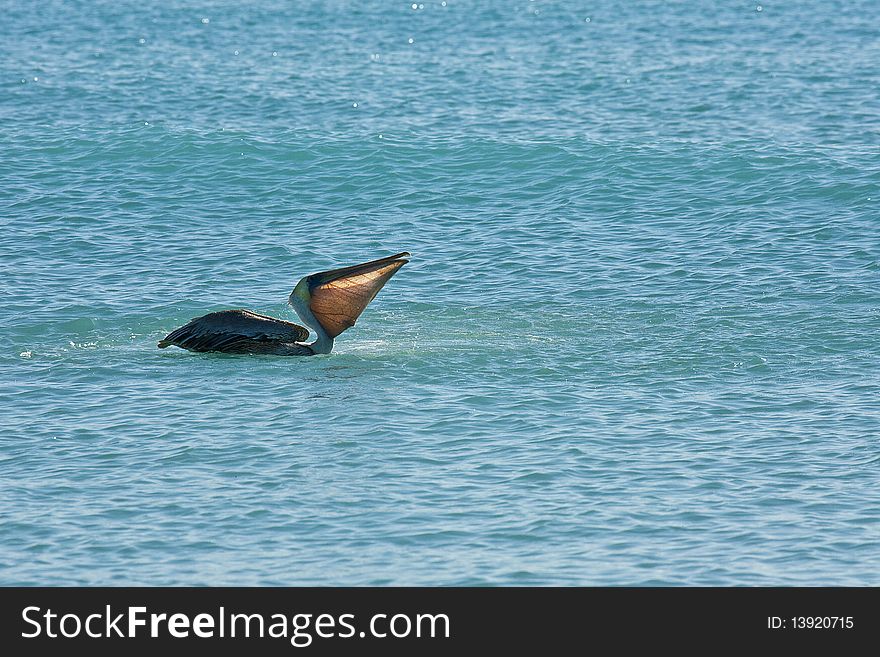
x=638 y=342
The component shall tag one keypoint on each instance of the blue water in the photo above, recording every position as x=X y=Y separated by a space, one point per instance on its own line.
x=638 y=341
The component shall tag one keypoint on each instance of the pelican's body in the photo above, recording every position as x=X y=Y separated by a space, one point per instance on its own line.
x=327 y=302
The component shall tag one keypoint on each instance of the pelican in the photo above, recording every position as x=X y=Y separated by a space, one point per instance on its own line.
x=328 y=302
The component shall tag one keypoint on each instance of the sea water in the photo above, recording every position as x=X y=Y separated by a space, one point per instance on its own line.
x=638 y=341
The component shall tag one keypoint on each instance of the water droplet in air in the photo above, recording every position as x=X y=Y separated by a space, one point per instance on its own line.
x=36 y=79
x=759 y=8
x=587 y=19
x=235 y=53
x=443 y=4
x=142 y=41
x=274 y=53
x=205 y=21
x=421 y=6
x=410 y=40
x=354 y=104
x=415 y=6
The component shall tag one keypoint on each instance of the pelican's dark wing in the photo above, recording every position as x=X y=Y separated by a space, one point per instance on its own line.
x=339 y=296
x=235 y=331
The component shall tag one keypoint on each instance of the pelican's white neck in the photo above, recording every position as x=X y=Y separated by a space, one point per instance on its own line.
x=324 y=343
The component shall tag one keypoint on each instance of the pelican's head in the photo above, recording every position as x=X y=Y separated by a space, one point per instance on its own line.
x=300 y=296
x=333 y=300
